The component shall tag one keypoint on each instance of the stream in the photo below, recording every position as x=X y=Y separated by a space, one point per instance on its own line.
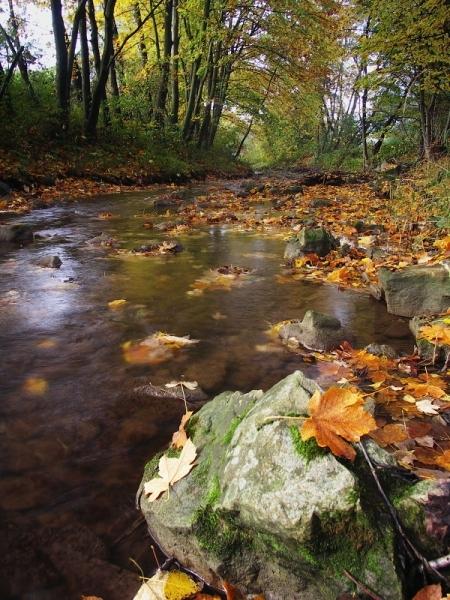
x=73 y=437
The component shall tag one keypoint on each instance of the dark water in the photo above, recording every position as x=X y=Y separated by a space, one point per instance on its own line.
x=72 y=457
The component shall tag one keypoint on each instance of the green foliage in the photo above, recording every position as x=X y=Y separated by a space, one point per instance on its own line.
x=308 y=450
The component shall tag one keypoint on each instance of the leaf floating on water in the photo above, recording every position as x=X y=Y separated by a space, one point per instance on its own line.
x=117 y=303
x=174 y=341
x=221 y=278
x=171 y=470
x=47 y=344
x=35 y=386
x=146 y=352
x=168 y=585
x=155 y=349
x=104 y=216
x=337 y=417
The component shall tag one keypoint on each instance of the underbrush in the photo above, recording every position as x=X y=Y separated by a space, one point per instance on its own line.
x=424 y=193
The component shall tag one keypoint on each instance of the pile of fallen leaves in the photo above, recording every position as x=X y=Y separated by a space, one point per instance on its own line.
x=411 y=407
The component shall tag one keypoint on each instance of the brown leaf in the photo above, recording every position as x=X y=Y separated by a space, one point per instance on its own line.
x=429 y=592
x=390 y=434
x=337 y=417
x=179 y=438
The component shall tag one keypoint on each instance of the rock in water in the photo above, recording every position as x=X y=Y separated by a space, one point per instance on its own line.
x=17 y=234
x=416 y=290
x=267 y=511
x=310 y=240
x=49 y=262
x=317 y=331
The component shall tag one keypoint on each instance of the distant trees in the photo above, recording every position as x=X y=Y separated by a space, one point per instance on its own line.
x=322 y=78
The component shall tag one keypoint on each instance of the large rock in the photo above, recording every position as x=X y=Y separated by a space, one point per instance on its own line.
x=317 y=331
x=310 y=240
x=435 y=351
x=16 y=234
x=267 y=511
x=49 y=262
x=416 y=290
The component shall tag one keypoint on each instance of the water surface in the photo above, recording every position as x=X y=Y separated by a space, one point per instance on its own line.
x=72 y=456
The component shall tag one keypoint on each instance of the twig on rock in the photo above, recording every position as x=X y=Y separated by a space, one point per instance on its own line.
x=367 y=591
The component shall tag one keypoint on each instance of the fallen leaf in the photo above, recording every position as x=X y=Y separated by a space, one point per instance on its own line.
x=180 y=438
x=171 y=470
x=429 y=592
x=167 y=585
x=336 y=418
x=174 y=341
x=190 y=385
x=427 y=407
x=117 y=303
x=436 y=333
x=390 y=434
x=35 y=386
x=443 y=460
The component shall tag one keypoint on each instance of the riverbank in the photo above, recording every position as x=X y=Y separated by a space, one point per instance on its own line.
x=36 y=178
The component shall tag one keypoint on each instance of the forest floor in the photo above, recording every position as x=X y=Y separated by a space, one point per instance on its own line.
x=38 y=178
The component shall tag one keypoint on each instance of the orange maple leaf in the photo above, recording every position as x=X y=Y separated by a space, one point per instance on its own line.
x=443 y=460
x=336 y=418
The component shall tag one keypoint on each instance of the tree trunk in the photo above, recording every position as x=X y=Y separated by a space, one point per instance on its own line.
x=5 y=79
x=96 y=54
x=62 y=74
x=22 y=63
x=175 y=90
x=100 y=85
x=141 y=45
x=85 y=70
x=165 y=67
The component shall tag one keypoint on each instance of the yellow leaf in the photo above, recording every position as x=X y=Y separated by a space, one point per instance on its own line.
x=179 y=586
x=443 y=244
x=339 y=275
x=35 y=386
x=117 y=303
x=337 y=417
x=436 y=333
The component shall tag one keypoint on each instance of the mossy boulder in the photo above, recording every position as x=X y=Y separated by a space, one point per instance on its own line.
x=316 y=240
x=267 y=511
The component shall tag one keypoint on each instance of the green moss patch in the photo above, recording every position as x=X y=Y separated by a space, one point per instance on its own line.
x=308 y=450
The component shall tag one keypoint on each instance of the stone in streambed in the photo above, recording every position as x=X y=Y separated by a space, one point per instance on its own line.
x=317 y=331
x=267 y=511
x=417 y=290
x=16 y=234
x=382 y=350
x=310 y=240
x=49 y=262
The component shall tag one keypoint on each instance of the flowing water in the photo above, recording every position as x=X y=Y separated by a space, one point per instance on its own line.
x=73 y=437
